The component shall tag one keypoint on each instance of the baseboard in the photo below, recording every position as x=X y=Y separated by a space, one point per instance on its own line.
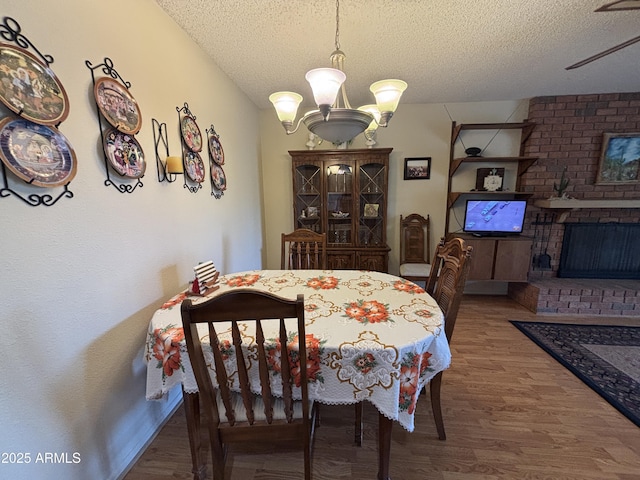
x=152 y=437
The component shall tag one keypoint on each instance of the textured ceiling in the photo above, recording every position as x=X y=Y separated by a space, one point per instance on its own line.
x=447 y=50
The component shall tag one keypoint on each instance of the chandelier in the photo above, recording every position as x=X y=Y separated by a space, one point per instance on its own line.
x=336 y=121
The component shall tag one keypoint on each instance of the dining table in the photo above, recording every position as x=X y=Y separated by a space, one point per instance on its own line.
x=371 y=336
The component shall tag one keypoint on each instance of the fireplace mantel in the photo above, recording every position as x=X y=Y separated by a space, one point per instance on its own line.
x=565 y=205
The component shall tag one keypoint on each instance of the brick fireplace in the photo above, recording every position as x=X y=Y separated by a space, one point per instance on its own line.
x=568 y=134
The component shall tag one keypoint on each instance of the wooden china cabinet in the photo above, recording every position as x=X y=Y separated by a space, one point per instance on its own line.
x=343 y=193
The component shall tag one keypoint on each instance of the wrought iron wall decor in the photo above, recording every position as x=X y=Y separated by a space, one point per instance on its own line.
x=107 y=69
x=216 y=160
x=191 y=145
x=43 y=104
x=161 y=137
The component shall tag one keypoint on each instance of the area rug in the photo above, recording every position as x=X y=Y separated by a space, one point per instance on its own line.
x=606 y=358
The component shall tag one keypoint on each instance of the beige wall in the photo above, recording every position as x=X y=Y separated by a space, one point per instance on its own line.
x=415 y=131
x=80 y=280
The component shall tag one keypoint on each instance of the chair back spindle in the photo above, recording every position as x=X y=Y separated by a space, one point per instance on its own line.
x=235 y=411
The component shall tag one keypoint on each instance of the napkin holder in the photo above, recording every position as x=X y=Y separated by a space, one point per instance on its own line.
x=206 y=280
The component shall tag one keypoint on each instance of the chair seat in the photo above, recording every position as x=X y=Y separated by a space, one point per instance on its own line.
x=258 y=408
x=415 y=269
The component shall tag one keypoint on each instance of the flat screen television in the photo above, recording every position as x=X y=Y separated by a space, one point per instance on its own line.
x=494 y=217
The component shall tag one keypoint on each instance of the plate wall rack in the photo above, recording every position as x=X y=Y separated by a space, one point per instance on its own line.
x=188 y=183
x=10 y=31
x=107 y=69
x=212 y=134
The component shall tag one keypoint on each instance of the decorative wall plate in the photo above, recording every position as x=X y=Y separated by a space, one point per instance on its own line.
x=218 y=177
x=38 y=154
x=191 y=133
x=215 y=150
x=30 y=88
x=124 y=154
x=194 y=166
x=117 y=105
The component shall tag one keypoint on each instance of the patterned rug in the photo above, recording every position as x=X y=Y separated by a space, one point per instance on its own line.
x=606 y=358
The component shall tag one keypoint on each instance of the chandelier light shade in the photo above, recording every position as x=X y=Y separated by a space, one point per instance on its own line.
x=387 y=93
x=331 y=122
x=286 y=105
x=325 y=84
x=370 y=131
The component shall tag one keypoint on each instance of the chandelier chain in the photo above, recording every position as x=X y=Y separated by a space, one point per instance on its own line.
x=337 y=24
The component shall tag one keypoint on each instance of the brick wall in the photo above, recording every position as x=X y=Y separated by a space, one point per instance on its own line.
x=568 y=133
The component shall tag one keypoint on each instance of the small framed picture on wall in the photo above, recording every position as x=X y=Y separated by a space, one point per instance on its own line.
x=417 y=168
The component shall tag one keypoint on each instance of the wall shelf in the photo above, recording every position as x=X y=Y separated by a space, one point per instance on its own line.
x=523 y=162
x=566 y=205
x=454 y=196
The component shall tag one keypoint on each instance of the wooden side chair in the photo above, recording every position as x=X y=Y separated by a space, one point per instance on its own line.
x=243 y=416
x=449 y=271
x=303 y=249
x=445 y=284
x=415 y=250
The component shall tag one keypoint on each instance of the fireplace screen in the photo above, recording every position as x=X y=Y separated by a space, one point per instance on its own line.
x=600 y=250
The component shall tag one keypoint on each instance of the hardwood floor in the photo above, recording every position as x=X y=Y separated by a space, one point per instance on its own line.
x=510 y=411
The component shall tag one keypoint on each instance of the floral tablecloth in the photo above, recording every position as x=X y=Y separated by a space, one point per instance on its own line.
x=370 y=336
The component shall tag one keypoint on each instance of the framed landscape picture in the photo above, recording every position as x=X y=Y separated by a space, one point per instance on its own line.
x=620 y=159
x=417 y=168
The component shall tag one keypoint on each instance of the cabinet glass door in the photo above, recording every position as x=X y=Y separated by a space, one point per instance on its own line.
x=371 y=178
x=308 y=199
x=339 y=203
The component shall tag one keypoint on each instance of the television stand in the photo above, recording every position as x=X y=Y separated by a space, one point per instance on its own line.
x=499 y=258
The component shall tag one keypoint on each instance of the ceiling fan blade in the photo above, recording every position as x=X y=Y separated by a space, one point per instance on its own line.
x=604 y=53
x=619 y=5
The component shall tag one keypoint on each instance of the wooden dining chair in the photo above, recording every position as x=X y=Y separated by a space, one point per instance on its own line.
x=415 y=250
x=303 y=249
x=239 y=415
x=446 y=282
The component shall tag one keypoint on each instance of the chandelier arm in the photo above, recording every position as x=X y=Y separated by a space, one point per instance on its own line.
x=287 y=126
x=384 y=119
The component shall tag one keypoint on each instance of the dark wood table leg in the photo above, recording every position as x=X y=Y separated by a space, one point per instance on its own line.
x=358 y=425
x=192 y=412
x=385 y=426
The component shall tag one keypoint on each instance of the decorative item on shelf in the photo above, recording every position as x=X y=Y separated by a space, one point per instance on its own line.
x=331 y=121
x=339 y=214
x=191 y=144
x=311 y=142
x=32 y=147
x=120 y=110
x=216 y=160
x=206 y=279
x=562 y=185
x=371 y=210
x=417 y=168
x=312 y=212
x=171 y=165
x=489 y=179
x=473 y=152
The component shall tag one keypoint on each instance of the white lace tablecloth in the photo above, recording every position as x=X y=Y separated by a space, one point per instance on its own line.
x=370 y=336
